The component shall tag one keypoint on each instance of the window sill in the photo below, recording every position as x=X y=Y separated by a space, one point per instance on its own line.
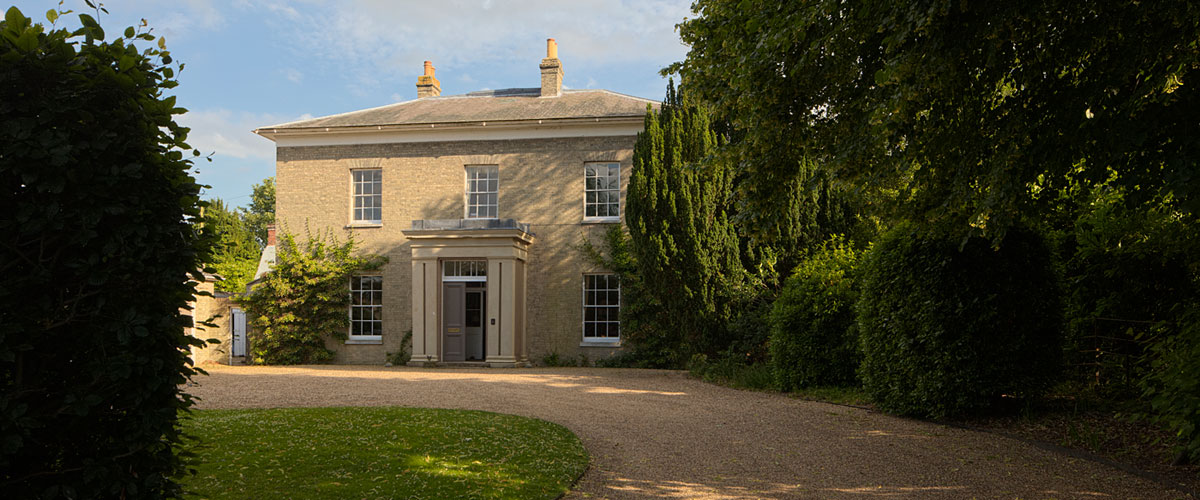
x=600 y=343
x=601 y=220
x=365 y=341
x=357 y=225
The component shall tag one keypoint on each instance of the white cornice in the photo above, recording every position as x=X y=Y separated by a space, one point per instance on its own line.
x=463 y=131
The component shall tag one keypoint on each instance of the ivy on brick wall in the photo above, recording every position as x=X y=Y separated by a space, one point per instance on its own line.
x=304 y=299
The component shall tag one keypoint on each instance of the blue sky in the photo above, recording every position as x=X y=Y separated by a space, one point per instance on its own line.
x=254 y=63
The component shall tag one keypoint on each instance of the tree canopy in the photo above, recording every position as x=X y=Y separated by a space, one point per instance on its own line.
x=961 y=110
x=235 y=253
x=261 y=212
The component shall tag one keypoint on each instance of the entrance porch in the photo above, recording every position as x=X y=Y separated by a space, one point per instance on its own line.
x=468 y=290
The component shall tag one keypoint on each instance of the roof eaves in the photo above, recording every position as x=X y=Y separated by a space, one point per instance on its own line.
x=269 y=131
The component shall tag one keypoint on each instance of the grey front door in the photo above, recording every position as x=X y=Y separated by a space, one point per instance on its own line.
x=453 y=329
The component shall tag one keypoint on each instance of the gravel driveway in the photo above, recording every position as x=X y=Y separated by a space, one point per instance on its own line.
x=659 y=434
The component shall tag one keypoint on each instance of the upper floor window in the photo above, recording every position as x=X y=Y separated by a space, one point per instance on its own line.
x=602 y=191
x=368 y=196
x=483 y=191
x=366 y=307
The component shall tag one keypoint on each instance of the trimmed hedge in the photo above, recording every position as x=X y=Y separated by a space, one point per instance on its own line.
x=96 y=249
x=814 y=337
x=949 y=326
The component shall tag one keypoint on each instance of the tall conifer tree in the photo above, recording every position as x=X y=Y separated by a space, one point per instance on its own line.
x=678 y=210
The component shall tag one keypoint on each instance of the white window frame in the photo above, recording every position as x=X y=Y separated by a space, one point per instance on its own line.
x=457 y=270
x=490 y=180
x=375 y=198
x=373 y=307
x=593 y=340
x=610 y=217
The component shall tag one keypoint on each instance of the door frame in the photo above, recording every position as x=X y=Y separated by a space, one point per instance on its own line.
x=236 y=316
x=466 y=281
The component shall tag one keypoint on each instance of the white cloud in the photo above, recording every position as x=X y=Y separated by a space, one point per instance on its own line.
x=293 y=75
x=186 y=18
x=229 y=134
x=374 y=41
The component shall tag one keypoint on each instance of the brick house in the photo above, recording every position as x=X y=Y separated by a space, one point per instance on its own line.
x=480 y=201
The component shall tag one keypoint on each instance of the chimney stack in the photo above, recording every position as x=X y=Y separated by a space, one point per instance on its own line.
x=427 y=85
x=552 y=73
x=270 y=235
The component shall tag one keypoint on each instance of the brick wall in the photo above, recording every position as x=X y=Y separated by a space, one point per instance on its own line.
x=541 y=183
x=214 y=309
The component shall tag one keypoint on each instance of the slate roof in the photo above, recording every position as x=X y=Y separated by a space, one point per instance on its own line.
x=485 y=106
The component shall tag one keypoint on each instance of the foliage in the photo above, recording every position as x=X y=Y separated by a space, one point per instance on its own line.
x=1131 y=271
x=96 y=250
x=261 y=212
x=814 y=336
x=404 y=355
x=235 y=253
x=949 y=326
x=1172 y=387
x=677 y=210
x=555 y=360
x=853 y=396
x=647 y=346
x=304 y=299
x=732 y=371
x=959 y=108
x=300 y=453
x=749 y=330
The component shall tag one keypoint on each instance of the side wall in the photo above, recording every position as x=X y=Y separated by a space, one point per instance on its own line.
x=541 y=183
x=215 y=309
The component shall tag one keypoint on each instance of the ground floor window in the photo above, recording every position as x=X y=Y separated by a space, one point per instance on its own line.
x=601 y=308
x=366 y=307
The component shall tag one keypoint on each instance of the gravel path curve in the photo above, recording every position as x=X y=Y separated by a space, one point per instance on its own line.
x=660 y=434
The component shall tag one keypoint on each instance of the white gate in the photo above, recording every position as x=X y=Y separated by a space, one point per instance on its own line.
x=239 y=333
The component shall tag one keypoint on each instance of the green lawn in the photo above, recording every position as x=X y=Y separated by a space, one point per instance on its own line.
x=386 y=452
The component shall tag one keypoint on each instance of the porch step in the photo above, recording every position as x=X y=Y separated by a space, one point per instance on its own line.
x=465 y=364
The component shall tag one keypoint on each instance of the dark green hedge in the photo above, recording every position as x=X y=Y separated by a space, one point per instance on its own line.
x=814 y=336
x=949 y=326
x=95 y=253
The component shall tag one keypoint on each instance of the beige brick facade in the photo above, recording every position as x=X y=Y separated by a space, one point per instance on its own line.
x=541 y=184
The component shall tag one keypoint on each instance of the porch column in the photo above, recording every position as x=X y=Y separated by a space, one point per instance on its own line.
x=502 y=314
x=424 y=310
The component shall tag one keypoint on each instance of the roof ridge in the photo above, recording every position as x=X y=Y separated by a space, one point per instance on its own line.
x=613 y=93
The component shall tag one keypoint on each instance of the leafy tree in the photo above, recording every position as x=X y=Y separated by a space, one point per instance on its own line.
x=1172 y=388
x=677 y=209
x=235 y=253
x=95 y=249
x=959 y=109
x=1133 y=271
x=261 y=212
x=304 y=299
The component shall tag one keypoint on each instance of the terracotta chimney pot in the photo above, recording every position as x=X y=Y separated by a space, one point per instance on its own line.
x=427 y=84
x=552 y=72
